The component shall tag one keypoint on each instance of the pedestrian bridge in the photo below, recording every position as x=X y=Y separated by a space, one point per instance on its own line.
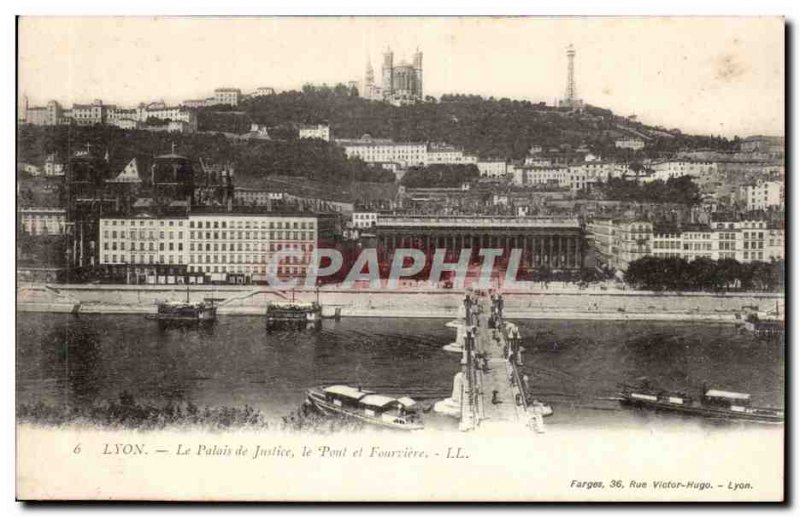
x=489 y=390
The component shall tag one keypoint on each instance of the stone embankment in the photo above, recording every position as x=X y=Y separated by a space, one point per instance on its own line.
x=554 y=302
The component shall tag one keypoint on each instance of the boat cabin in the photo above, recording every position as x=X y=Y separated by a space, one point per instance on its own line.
x=372 y=405
x=288 y=311
x=726 y=399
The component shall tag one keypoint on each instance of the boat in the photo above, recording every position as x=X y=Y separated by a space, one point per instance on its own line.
x=177 y=312
x=712 y=403
x=293 y=315
x=366 y=406
x=294 y=311
x=185 y=313
x=770 y=328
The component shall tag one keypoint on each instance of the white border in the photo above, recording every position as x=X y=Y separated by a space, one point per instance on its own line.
x=787 y=8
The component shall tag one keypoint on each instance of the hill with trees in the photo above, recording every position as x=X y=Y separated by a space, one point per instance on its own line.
x=675 y=190
x=254 y=160
x=492 y=128
x=439 y=175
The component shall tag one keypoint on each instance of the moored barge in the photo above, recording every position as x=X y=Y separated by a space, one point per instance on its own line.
x=185 y=313
x=293 y=315
x=711 y=404
x=366 y=406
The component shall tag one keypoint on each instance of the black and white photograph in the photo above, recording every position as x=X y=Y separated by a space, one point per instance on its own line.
x=400 y=258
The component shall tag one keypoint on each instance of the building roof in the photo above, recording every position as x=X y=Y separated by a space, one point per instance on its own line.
x=130 y=174
x=377 y=400
x=406 y=401
x=345 y=391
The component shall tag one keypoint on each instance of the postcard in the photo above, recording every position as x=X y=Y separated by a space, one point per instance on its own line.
x=517 y=259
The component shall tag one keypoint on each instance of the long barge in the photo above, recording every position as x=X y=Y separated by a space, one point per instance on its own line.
x=712 y=403
x=366 y=406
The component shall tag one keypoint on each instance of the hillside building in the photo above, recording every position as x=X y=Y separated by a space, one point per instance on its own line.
x=400 y=83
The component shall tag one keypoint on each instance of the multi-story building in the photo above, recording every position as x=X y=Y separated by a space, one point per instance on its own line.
x=320 y=131
x=669 y=169
x=42 y=221
x=667 y=244
x=493 y=168
x=49 y=115
x=617 y=243
x=537 y=161
x=551 y=176
x=698 y=242
x=229 y=96
x=584 y=175
x=634 y=241
x=90 y=114
x=774 y=248
x=754 y=239
x=447 y=154
x=727 y=244
x=363 y=220
x=555 y=243
x=256 y=197
x=215 y=245
x=763 y=195
x=198 y=103
x=99 y=113
x=629 y=143
x=162 y=112
x=407 y=154
x=263 y=91
x=772 y=145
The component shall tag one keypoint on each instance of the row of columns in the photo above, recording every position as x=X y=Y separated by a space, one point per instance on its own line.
x=553 y=250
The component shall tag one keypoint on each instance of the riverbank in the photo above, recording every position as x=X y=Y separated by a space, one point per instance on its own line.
x=558 y=302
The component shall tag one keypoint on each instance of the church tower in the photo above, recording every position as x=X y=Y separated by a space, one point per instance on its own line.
x=418 y=74
x=388 y=72
x=369 y=76
x=368 y=90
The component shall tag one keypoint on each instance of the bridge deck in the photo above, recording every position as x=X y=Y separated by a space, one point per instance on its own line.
x=495 y=397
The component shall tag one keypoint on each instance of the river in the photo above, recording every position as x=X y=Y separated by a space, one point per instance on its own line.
x=574 y=365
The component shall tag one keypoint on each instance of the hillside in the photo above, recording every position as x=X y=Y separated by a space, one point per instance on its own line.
x=254 y=160
x=492 y=128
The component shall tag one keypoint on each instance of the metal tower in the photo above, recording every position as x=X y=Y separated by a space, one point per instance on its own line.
x=571 y=93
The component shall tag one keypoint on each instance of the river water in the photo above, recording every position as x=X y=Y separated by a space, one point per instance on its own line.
x=574 y=365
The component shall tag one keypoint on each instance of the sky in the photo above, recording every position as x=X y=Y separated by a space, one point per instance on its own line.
x=720 y=76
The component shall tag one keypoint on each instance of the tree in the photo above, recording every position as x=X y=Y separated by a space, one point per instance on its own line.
x=439 y=175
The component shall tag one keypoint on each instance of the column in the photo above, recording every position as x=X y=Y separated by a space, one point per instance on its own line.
x=525 y=256
x=568 y=244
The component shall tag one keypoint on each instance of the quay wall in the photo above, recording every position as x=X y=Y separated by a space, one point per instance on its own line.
x=441 y=303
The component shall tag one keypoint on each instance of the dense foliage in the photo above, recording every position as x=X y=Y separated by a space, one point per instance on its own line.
x=311 y=159
x=493 y=128
x=677 y=274
x=439 y=175
x=674 y=190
